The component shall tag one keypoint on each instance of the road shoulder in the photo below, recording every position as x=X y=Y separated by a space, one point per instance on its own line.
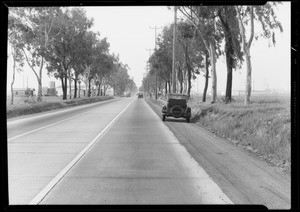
x=244 y=178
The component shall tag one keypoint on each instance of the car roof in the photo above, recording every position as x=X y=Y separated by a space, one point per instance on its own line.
x=177 y=94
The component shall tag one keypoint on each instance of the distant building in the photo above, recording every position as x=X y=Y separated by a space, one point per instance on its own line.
x=49 y=91
x=23 y=92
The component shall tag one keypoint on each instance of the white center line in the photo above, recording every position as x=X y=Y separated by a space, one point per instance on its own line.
x=39 y=197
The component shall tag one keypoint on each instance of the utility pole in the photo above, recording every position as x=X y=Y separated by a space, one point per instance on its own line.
x=174 y=46
x=155 y=28
x=148 y=68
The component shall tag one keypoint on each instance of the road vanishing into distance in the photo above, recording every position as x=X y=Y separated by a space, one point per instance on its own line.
x=119 y=151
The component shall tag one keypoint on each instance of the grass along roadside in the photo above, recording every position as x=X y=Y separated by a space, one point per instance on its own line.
x=25 y=106
x=263 y=127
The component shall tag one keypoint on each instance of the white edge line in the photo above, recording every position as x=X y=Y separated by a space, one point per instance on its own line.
x=18 y=136
x=39 y=197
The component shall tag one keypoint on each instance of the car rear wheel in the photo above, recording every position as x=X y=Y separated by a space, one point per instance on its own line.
x=188 y=120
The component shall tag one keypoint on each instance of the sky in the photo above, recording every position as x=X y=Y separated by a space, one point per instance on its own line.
x=129 y=30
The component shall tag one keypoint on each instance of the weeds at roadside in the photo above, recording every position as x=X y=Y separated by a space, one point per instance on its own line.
x=263 y=127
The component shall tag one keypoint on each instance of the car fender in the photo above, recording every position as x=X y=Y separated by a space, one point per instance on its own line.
x=164 y=109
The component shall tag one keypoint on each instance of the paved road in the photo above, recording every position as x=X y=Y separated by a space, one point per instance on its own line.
x=245 y=179
x=115 y=153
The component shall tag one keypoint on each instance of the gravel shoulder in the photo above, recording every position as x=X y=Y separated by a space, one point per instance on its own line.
x=244 y=178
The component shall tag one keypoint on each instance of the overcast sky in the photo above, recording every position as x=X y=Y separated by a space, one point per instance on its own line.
x=128 y=32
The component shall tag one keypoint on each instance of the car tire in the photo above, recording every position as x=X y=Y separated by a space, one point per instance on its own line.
x=176 y=108
x=188 y=120
x=163 y=118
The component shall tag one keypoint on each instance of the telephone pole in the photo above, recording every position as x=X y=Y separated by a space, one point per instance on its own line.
x=174 y=48
x=148 y=68
x=155 y=29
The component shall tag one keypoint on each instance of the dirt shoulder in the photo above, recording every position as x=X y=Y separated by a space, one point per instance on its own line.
x=243 y=177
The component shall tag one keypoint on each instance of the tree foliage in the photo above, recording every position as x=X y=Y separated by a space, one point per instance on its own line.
x=204 y=35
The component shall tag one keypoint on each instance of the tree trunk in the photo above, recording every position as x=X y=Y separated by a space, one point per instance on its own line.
x=181 y=86
x=66 y=87
x=206 y=79
x=189 y=71
x=70 y=82
x=229 y=64
x=166 y=88
x=39 y=79
x=75 y=88
x=246 y=49
x=99 y=88
x=63 y=87
x=104 y=89
x=40 y=90
x=248 y=77
x=86 y=89
x=228 y=52
x=189 y=83
x=89 y=91
x=180 y=79
x=184 y=79
x=212 y=55
x=12 y=83
x=228 y=95
x=79 y=91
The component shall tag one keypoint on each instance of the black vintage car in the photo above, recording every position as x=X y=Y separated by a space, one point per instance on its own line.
x=140 y=95
x=176 y=107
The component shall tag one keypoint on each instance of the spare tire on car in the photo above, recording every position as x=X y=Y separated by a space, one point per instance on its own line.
x=176 y=111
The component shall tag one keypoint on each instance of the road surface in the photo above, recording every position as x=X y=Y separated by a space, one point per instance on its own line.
x=114 y=152
x=244 y=178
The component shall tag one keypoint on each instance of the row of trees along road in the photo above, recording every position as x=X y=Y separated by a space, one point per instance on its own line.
x=61 y=41
x=200 y=37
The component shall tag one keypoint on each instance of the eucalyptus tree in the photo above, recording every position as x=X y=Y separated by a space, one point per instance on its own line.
x=230 y=29
x=103 y=64
x=131 y=86
x=120 y=79
x=247 y=16
x=204 y=19
x=67 y=48
x=190 y=55
x=36 y=32
x=85 y=50
x=202 y=62
x=15 y=51
x=161 y=61
x=108 y=80
x=106 y=74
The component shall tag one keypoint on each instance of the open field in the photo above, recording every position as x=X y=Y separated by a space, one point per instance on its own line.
x=25 y=106
x=263 y=127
